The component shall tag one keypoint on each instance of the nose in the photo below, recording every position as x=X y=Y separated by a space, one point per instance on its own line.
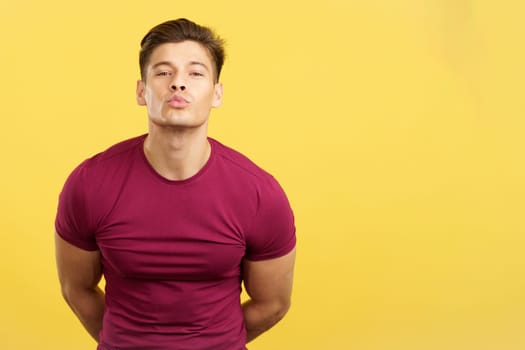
x=176 y=87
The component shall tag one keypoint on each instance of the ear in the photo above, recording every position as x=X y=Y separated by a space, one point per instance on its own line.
x=141 y=100
x=217 y=95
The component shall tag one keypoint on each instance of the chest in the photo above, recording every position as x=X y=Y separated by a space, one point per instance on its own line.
x=174 y=234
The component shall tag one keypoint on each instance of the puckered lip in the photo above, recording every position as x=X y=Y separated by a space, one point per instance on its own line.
x=177 y=98
x=177 y=101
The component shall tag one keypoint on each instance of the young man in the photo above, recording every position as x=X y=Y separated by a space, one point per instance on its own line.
x=174 y=220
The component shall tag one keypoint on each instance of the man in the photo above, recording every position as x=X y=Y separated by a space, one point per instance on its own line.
x=174 y=220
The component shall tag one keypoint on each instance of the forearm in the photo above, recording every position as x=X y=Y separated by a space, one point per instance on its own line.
x=88 y=306
x=260 y=317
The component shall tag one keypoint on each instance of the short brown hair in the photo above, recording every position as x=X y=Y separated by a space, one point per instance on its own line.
x=178 y=30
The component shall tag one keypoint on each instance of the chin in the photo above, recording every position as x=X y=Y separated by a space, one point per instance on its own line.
x=178 y=123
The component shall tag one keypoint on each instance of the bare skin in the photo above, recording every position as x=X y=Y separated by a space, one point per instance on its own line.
x=269 y=285
x=179 y=92
x=79 y=272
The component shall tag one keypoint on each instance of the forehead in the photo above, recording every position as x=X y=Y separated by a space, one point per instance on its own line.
x=181 y=53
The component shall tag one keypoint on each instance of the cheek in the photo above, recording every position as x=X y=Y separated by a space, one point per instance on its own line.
x=151 y=99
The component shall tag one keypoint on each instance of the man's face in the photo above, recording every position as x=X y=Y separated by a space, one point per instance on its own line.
x=179 y=88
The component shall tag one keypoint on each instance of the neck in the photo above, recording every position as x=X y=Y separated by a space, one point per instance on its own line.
x=177 y=154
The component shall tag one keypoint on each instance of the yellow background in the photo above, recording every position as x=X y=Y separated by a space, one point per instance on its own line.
x=396 y=128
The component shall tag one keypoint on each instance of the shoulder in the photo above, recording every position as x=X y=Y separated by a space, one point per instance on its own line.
x=93 y=185
x=270 y=232
x=240 y=174
x=110 y=162
x=240 y=165
x=115 y=153
x=104 y=168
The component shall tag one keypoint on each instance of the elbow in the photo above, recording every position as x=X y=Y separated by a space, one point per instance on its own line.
x=283 y=309
x=67 y=293
x=260 y=317
x=279 y=311
x=72 y=294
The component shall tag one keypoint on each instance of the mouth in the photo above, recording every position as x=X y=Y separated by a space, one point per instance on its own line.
x=177 y=101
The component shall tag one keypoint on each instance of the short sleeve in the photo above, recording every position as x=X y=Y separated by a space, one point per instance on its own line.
x=273 y=230
x=72 y=221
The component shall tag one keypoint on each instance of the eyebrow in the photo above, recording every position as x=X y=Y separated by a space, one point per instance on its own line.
x=191 y=63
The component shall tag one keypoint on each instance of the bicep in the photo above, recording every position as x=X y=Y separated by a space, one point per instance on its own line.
x=77 y=268
x=270 y=280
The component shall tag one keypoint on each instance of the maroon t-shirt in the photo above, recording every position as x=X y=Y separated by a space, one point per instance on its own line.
x=172 y=250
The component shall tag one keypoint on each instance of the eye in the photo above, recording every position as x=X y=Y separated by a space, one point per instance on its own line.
x=196 y=74
x=163 y=74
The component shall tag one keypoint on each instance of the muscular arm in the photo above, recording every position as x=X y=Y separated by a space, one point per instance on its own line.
x=269 y=285
x=79 y=272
